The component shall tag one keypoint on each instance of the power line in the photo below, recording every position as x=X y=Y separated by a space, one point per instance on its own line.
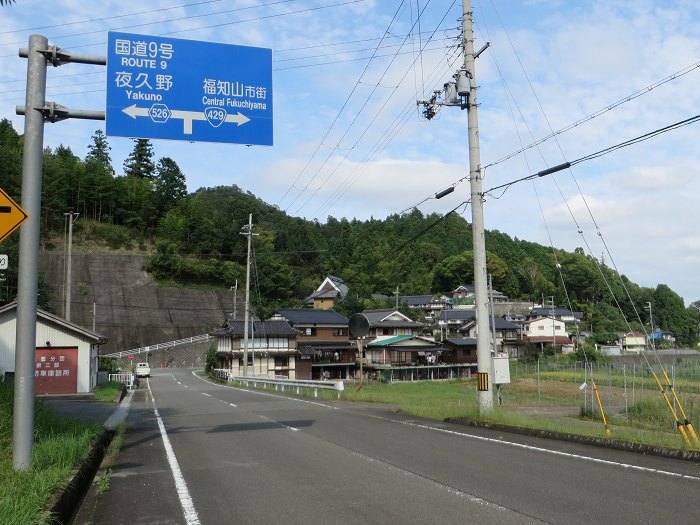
x=255 y=19
x=349 y=181
x=78 y=22
x=600 y=153
x=347 y=100
x=610 y=107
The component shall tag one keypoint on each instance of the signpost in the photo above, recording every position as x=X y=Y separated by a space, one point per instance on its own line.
x=11 y=216
x=169 y=88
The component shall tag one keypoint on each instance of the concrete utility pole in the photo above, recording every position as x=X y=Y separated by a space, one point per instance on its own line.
x=483 y=344
x=554 y=334
x=651 y=326
x=462 y=93
x=234 y=289
x=249 y=233
x=69 y=265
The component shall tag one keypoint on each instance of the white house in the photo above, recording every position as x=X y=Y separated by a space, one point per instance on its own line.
x=545 y=331
x=65 y=354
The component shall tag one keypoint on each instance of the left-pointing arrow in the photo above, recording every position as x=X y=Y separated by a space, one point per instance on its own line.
x=134 y=111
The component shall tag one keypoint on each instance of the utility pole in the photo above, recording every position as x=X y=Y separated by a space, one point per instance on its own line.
x=234 y=289
x=483 y=347
x=462 y=93
x=69 y=266
x=554 y=336
x=651 y=325
x=248 y=233
x=396 y=293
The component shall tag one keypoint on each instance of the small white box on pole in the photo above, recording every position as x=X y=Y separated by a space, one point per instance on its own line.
x=501 y=369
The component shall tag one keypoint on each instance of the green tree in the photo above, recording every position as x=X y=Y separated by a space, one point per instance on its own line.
x=169 y=186
x=139 y=163
x=98 y=153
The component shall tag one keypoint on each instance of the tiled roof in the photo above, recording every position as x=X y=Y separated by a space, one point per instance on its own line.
x=376 y=319
x=236 y=328
x=312 y=316
x=463 y=314
x=501 y=324
x=460 y=342
x=416 y=299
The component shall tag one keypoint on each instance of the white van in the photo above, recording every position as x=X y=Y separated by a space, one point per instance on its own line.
x=143 y=370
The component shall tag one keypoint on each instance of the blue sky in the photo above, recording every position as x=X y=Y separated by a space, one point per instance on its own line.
x=349 y=140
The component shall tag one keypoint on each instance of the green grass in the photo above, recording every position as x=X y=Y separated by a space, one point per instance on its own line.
x=648 y=424
x=60 y=444
x=107 y=391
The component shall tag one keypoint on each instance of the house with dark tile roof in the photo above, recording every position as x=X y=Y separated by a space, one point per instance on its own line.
x=325 y=352
x=507 y=334
x=272 y=348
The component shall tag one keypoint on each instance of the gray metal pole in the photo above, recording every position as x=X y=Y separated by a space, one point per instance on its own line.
x=28 y=282
x=483 y=343
x=247 y=297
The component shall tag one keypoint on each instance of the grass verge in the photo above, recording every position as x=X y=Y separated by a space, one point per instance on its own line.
x=107 y=391
x=527 y=406
x=60 y=444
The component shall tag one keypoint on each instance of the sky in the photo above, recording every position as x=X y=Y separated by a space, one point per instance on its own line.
x=559 y=82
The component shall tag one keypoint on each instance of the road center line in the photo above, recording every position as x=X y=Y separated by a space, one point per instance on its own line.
x=191 y=517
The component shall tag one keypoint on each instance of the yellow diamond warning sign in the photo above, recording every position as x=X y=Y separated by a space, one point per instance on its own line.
x=11 y=215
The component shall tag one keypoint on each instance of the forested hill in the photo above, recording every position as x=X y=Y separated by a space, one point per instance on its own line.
x=195 y=239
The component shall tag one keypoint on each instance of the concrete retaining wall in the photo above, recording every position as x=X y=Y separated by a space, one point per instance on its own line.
x=131 y=309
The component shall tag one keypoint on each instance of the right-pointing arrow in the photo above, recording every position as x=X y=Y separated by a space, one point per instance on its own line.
x=238 y=118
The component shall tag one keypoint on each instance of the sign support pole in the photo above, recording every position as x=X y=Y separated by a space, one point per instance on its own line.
x=28 y=280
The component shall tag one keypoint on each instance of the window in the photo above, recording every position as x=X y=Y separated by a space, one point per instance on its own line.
x=281 y=361
x=310 y=331
x=387 y=331
x=277 y=342
x=339 y=331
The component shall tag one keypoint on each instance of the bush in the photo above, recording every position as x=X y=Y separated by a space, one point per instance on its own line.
x=211 y=358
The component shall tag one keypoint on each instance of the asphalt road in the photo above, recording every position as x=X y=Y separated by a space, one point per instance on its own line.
x=228 y=455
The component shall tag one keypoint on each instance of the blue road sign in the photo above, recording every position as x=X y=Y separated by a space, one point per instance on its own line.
x=168 y=88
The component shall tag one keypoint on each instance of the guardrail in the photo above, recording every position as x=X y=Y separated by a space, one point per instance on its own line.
x=128 y=379
x=281 y=383
x=158 y=346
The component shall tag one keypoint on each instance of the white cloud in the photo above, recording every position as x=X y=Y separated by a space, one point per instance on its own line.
x=579 y=57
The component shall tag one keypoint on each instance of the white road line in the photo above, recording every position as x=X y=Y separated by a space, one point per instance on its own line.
x=191 y=517
x=279 y=423
x=265 y=393
x=546 y=450
x=490 y=440
x=205 y=394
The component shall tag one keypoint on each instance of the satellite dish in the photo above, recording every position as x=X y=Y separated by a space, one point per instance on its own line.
x=358 y=325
